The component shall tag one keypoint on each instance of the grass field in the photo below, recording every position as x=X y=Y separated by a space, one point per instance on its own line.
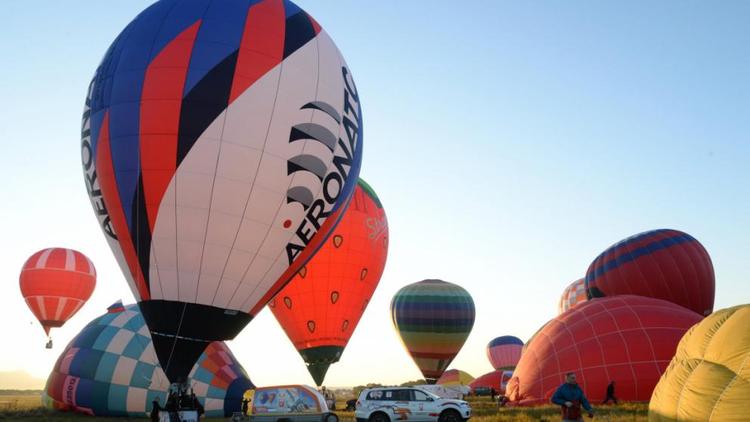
x=29 y=408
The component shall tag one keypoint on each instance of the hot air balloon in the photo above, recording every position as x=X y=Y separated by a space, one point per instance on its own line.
x=110 y=369
x=663 y=264
x=504 y=352
x=627 y=339
x=454 y=377
x=433 y=318
x=574 y=294
x=320 y=308
x=495 y=379
x=709 y=376
x=221 y=143
x=56 y=283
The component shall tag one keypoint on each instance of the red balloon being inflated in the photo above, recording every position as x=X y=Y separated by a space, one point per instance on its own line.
x=627 y=339
x=663 y=264
x=495 y=379
x=56 y=282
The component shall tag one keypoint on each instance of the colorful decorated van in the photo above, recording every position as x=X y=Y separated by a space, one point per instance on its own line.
x=287 y=403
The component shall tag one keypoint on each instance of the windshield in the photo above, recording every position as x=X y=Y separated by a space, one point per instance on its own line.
x=429 y=394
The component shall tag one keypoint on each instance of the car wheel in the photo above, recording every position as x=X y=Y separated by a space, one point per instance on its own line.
x=332 y=418
x=379 y=417
x=450 y=416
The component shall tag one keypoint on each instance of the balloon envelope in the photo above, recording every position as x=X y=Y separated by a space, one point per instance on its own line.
x=320 y=308
x=573 y=295
x=56 y=283
x=455 y=377
x=110 y=369
x=627 y=339
x=433 y=318
x=709 y=376
x=663 y=264
x=221 y=142
x=495 y=379
x=504 y=352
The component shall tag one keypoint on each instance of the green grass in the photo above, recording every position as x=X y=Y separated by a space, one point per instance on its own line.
x=28 y=407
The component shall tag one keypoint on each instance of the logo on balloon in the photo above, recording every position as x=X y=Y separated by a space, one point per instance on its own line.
x=333 y=182
x=89 y=169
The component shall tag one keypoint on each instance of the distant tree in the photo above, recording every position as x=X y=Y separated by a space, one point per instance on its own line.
x=413 y=383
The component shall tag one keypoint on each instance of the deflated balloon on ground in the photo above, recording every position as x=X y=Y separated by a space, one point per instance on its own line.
x=627 y=339
x=709 y=377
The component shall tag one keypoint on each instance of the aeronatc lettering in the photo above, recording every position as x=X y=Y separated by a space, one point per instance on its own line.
x=89 y=170
x=334 y=181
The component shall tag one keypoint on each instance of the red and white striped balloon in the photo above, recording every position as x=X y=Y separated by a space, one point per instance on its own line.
x=56 y=282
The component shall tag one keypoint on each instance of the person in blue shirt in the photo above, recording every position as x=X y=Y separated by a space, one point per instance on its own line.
x=569 y=396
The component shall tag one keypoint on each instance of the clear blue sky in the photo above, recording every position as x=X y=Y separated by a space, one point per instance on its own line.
x=510 y=142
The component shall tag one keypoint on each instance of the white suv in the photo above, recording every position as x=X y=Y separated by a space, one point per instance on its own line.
x=388 y=404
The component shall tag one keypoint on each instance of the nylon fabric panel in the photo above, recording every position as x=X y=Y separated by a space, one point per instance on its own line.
x=261 y=47
x=708 y=378
x=125 y=250
x=160 y=117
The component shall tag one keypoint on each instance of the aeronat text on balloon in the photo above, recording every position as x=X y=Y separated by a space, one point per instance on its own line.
x=349 y=153
x=89 y=170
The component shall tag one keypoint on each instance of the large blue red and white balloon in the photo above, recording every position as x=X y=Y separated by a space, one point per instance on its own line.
x=221 y=143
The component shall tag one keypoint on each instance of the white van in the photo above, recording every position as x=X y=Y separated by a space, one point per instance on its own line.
x=288 y=403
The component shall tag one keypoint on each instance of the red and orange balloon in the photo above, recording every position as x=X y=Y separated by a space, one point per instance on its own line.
x=320 y=308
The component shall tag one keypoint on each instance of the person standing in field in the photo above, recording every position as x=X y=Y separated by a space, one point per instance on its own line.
x=155 y=409
x=610 y=393
x=569 y=396
x=245 y=403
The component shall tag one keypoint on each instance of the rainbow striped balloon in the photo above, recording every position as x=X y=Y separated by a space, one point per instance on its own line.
x=433 y=318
